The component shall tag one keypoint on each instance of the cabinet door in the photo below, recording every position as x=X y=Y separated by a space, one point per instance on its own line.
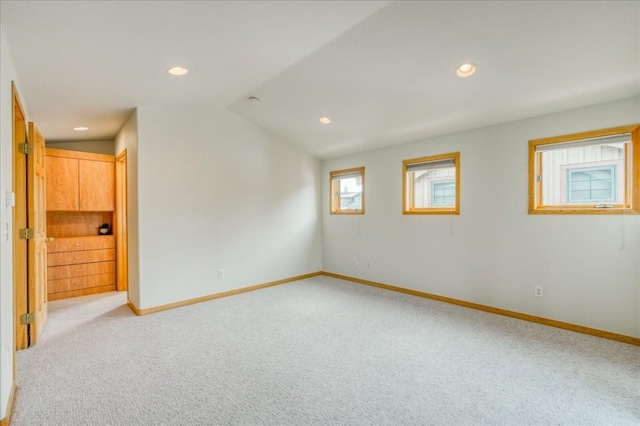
x=96 y=185
x=62 y=183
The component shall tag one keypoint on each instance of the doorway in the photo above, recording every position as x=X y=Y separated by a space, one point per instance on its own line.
x=30 y=228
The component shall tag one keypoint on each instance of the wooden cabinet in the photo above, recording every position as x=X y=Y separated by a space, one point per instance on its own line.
x=78 y=266
x=78 y=181
x=80 y=191
x=96 y=185
x=62 y=183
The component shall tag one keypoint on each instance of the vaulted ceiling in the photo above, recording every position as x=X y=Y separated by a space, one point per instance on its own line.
x=383 y=72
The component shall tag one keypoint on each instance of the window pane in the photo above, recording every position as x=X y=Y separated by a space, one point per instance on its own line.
x=350 y=193
x=434 y=188
x=589 y=174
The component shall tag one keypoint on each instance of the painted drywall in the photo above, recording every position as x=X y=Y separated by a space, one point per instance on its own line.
x=216 y=192
x=96 y=147
x=494 y=252
x=7 y=75
x=127 y=139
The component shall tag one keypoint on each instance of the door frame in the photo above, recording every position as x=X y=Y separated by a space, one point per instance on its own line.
x=122 y=259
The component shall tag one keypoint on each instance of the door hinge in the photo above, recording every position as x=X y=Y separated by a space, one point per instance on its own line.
x=27 y=319
x=26 y=233
x=25 y=148
x=538 y=178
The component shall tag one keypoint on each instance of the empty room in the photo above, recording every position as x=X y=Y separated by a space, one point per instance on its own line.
x=319 y=213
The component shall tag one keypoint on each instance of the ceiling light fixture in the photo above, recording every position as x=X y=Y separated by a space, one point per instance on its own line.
x=324 y=120
x=254 y=100
x=465 y=70
x=178 y=71
x=81 y=129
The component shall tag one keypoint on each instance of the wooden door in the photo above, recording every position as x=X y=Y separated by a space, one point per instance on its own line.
x=19 y=222
x=37 y=245
x=96 y=180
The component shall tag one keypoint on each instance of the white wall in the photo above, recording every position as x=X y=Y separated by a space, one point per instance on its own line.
x=7 y=74
x=217 y=192
x=494 y=252
x=96 y=147
x=127 y=139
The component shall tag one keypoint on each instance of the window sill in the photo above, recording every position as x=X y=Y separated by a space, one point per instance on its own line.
x=582 y=210
x=431 y=211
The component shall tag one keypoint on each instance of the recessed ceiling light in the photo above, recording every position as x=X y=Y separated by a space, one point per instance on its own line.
x=254 y=100
x=324 y=120
x=178 y=71
x=465 y=70
x=81 y=129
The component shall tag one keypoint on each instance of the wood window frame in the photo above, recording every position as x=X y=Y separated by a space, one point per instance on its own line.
x=334 y=191
x=631 y=201
x=408 y=192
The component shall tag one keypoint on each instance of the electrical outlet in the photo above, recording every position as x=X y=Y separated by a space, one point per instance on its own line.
x=220 y=273
x=354 y=261
x=369 y=264
x=537 y=291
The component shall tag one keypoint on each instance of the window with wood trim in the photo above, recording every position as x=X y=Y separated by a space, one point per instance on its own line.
x=347 y=191
x=586 y=173
x=431 y=185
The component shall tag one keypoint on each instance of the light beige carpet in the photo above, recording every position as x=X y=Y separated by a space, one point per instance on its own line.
x=318 y=352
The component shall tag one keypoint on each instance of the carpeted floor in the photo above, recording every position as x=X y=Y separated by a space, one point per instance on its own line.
x=318 y=352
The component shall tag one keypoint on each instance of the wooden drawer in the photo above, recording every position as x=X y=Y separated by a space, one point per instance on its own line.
x=94 y=242
x=81 y=270
x=82 y=292
x=67 y=284
x=76 y=257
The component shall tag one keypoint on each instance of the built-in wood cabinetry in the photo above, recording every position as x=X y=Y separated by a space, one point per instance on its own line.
x=80 y=181
x=80 y=265
x=80 y=198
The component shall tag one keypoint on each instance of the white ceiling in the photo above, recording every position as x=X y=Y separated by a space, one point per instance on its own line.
x=384 y=72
